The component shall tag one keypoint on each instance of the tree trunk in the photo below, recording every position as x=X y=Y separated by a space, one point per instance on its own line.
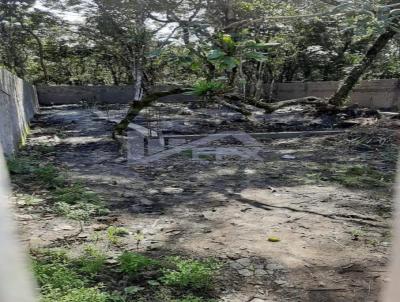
x=41 y=57
x=136 y=107
x=138 y=84
x=40 y=49
x=355 y=74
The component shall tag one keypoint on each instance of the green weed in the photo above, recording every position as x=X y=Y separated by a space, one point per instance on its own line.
x=60 y=282
x=114 y=233
x=75 y=295
x=187 y=273
x=21 y=166
x=49 y=176
x=56 y=276
x=362 y=177
x=92 y=261
x=29 y=169
x=187 y=153
x=134 y=263
x=192 y=299
x=75 y=202
x=207 y=88
x=44 y=149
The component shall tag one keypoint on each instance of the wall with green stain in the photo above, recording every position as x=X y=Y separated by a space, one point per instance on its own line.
x=18 y=105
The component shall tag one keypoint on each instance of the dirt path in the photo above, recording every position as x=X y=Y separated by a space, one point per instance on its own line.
x=334 y=241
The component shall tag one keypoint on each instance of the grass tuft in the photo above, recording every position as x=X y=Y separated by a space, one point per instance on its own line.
x=188 y=273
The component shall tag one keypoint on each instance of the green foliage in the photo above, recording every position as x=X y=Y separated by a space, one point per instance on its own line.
x=49 y=175
x=75 y=295
x=193 y=299
x=113 y=233
x=208 y=88
x=75 y=202
x=92 y=261
x=20 y=166
x=362 y=177
x=134 y=263
x=187 y=273
x=56 y=276
x=59 y=282
x=29 y=168
x=65 y=279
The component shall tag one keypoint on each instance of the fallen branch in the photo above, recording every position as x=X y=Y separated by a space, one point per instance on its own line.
x=271 y=107
x=233 y=107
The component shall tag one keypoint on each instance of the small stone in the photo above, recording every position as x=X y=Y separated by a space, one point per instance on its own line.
x=100 y=227
x=66 y=227
x=172 y=190
x=146 y=202
x=245 y=272
x=111 y=261
x=274 y=266
x=281 y=282
x=24 y=217
x=244 y=262
x=236 y=265
x=153 y=191
x=260 y=272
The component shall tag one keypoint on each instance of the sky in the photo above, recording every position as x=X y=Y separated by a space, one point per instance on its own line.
x=74 y=17
x=70 y=16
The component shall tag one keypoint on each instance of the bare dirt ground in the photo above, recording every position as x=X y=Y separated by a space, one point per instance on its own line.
x=333 y=227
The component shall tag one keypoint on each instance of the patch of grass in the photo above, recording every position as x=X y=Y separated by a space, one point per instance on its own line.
x=92 y=261
x=59 y=281
x=75 y=295
x=114 y=233
x=56 y=276
x=65 y=279
x=188 y=273
x=134 y=263
x=28 y=168
x=21 y=166
x=193 y=299
x=187 y=153
x=71 y=200
x=30 y=200
x=49 y=176
x=75 y=202
x=207 y=157
x=362 y=177
x=357 y=234
x=207 y=88
x=44 y=149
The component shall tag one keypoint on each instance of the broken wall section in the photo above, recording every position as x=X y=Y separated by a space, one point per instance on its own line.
x=18 y=105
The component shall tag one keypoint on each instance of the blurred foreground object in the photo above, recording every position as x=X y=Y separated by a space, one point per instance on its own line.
x=16 y=284
x=392 y=291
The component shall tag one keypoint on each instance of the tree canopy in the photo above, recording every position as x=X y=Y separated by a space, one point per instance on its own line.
x=245 y=44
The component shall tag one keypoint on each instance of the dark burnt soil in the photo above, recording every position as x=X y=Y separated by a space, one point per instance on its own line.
x=329 y=204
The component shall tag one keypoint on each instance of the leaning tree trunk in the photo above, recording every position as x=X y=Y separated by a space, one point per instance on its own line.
x=355 y=74
x=138 y=85
x=136 y=107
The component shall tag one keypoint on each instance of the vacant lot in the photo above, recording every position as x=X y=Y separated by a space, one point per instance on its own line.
x=308 y=222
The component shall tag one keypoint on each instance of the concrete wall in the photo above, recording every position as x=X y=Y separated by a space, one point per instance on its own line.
x=380 y=94
x=18 y=105
x=62 y=95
